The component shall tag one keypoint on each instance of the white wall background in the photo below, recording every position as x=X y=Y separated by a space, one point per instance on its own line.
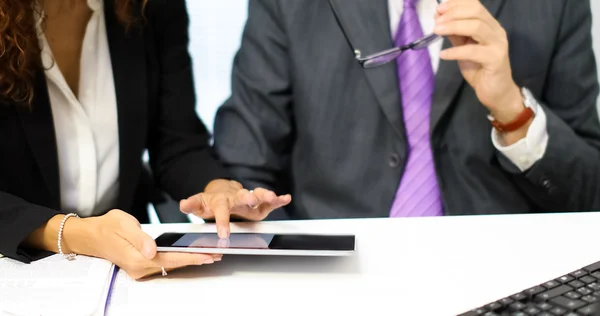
x=216 y=28
x=215 y=34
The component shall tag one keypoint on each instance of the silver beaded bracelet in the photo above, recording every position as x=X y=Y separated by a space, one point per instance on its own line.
x=70 y=256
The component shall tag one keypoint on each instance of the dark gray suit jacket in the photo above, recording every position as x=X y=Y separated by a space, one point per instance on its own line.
x=305 y=118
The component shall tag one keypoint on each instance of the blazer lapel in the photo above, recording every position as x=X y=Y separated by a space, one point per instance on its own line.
x=449 y=79
x=367 y=24
x=129 y=71
x=38 y=125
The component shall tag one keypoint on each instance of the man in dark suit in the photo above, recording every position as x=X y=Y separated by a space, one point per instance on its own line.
x=499 y=117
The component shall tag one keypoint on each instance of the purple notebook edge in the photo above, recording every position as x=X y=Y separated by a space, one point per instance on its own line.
x=110 y=288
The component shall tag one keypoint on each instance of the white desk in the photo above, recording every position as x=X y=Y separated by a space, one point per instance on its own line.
x=420 y=266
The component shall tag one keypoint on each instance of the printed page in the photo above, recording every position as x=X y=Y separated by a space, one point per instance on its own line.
x=53 y=286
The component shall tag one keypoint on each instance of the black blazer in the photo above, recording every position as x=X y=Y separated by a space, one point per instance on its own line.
x=156 y=111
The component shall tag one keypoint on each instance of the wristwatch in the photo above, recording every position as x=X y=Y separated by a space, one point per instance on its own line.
x=527 y=114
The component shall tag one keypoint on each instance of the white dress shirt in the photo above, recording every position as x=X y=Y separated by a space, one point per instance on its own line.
x=86 y=127
x=524 y=153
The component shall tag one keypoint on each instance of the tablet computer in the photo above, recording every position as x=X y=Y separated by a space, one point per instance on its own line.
x=258 y=244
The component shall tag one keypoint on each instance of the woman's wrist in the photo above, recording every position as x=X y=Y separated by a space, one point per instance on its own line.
x=78 y=236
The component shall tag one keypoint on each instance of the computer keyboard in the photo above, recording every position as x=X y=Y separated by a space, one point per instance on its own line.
x=573 y=294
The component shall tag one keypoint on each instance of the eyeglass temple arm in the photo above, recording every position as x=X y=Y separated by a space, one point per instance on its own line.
x=357 y=52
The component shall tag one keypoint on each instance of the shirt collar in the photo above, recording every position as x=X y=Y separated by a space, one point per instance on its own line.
x=95 y=5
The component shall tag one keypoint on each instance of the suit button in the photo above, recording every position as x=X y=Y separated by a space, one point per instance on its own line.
x=394 y=161
x=547 y=184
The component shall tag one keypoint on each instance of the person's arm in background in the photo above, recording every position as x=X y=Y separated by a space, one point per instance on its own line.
x=181 y=157
x=567 y=176
x=184 y=163
x=254 y=130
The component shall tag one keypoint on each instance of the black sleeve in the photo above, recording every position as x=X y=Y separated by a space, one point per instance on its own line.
x=18 y=219
x=254 y=129
x=568 y=176
x=180 y=153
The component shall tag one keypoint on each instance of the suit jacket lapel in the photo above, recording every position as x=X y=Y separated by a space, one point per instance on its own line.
x=367 y=24
x=449 y=79
x=38 y=125
x=129 y=71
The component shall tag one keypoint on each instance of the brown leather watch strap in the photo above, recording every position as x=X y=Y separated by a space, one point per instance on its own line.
x=517 y=123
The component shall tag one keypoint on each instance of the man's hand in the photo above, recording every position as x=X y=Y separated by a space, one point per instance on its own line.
x=222 y=199
x=481 y=49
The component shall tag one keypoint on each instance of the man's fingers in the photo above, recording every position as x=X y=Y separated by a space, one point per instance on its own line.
x=195 y=205
x=246 y=198
x=221 y=206
x=476 y=29
x=471 y=52
x=264 y=195
x=464 y=10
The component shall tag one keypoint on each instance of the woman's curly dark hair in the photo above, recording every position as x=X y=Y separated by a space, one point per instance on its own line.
x=19 y=47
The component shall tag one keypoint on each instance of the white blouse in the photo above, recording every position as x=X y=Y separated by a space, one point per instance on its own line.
x=86 y=128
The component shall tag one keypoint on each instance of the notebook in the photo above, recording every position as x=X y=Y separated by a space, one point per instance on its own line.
x=56 y=286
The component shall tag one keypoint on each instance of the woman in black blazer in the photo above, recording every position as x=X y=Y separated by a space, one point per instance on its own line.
x=86 y=86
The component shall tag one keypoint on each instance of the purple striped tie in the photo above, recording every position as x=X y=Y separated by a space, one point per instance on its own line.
x=418 y=193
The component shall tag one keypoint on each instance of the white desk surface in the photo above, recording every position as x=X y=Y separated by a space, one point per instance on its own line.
x=416 y=266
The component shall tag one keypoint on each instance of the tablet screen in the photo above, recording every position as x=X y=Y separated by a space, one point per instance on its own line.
x=257 y=241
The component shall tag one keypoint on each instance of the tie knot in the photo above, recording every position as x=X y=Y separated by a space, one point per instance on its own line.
x=411 y=3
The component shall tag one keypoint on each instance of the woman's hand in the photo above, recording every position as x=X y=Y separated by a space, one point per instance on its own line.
x=223 y=198
x=118 y=237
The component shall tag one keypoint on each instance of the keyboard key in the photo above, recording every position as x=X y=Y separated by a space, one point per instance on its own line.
x=496 y=306
x=565 y=279
x=551 y=284
x=534 y=290
x=593 y=267
x=475 y=312
x=490 y=314
x=545 y=314
x=597 y=293
x=594 y=286
x=558 y=311
x=544 y=306
x=576 y=284
x=590 y=299
x=596 y=274
x=588 y=310
x=506 y=301
x=519 y=297
x=567 y=303
x=578 y=274
x=518 y=314
x=588 y=279
x=572 y=314
x=573 y=295
x=517 y=306
x=544 y=296
x=532 y=311
x=584 y=291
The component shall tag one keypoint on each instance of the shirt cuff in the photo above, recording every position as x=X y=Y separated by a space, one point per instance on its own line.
x=529 y=150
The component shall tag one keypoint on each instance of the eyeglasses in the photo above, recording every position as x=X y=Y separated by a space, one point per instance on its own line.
x=386 y=56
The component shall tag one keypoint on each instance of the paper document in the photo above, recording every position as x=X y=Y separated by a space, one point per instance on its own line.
x=54 y=286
